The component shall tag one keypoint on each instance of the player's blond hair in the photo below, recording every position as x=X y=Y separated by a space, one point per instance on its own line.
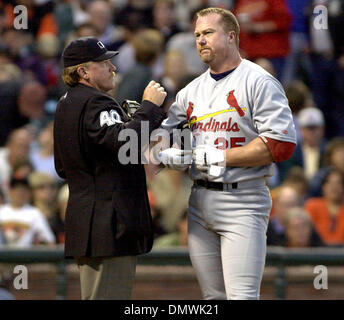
x=228 y=19
x=70 y=74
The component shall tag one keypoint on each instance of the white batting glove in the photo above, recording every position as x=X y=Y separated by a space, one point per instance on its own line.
x=206 y=155
x=176 y=159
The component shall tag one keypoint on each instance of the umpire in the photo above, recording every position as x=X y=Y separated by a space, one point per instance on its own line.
x=108 y=221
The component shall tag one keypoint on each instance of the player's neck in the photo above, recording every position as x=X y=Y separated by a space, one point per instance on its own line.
x=229 y=64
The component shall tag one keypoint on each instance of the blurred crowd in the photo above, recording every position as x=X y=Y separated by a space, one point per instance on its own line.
x=156 y=41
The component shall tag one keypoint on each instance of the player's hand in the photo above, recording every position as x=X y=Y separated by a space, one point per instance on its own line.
x=206 y=155
x=176 y=159
x=154 y=93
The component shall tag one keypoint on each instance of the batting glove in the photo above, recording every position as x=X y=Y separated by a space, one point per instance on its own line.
x=206 y=155
x=176 y=159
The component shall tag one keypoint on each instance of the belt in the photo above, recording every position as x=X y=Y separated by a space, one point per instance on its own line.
x=230 y=186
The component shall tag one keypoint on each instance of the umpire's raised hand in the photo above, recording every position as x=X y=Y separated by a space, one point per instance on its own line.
x=154 y=93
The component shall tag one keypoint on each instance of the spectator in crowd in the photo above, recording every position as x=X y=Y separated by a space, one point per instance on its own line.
x=9 y=72
x=5 y=54
x=327 y=212
x=40 y=17
x=309 y=153
x=42 y=156
x=19 y=44
x=100 y=15
x=31 y=105
x=167 y=186
x=135 y=12
x=312 y=126
x=164 y=18
x=2 y=201
x=22 y=104
x=72 y=19
x=48 y=48
x=44 y=193
x=266 y=65
x=126 y=60
x=333 y=158
x=175 y=70
x=335 y=23
x=286 y=199
x=299 y=230
x=16 y=150
x=23 y=168
x=156 y=213
x=299 y=97
x=264 y=22
x=84 y=30
x=63 y=13
x=148 y=45
x=5 y=284
x=177 y=238
x=298 y=57
x=62 y=201
x=295 y=179
x=185 y=43
x=10 y=118
x=44 y=197
x=21 y=224
x=327 y=78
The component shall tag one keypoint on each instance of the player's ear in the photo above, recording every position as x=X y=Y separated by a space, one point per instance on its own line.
x=231 y=36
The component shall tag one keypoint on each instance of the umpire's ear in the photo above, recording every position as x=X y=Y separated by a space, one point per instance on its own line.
x=82 y=72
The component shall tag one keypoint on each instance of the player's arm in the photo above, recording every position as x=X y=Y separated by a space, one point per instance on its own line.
x=276 y=139
x=167 y=151
x=254 y=154
x=274 y=122
x=259 y=152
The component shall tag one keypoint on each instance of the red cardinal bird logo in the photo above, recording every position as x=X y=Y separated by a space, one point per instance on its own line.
x=231 y=100
x=189 y=111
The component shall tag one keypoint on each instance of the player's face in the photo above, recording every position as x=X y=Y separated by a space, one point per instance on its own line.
x=213 y=43
x=101 y=75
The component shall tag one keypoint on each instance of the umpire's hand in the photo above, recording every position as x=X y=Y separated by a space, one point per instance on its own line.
x=154 y=93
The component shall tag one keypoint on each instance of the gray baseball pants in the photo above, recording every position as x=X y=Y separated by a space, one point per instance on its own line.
x=227 y=239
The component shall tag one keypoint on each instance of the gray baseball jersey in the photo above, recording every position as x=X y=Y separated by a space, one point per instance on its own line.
x=231 y=112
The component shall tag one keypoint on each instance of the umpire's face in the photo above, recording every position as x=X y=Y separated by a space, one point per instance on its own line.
x=100 y=75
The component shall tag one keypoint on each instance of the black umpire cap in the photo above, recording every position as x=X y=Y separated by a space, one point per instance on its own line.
x=85 y=49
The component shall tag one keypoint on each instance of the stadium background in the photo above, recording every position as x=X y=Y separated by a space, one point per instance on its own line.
x=156 y=41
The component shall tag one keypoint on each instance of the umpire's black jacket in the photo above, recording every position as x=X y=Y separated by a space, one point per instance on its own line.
x=108 y=212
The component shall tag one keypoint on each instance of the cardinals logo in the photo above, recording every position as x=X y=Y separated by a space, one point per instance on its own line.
x=231 y=100
x=189 y=110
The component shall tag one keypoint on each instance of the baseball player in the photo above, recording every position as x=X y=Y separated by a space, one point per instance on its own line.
x=240 y=120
